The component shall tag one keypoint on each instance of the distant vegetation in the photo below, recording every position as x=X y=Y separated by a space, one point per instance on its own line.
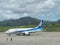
x=52 y=27
x=26 y=22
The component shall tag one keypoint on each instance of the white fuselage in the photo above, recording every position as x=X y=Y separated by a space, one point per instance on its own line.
x=17 y=29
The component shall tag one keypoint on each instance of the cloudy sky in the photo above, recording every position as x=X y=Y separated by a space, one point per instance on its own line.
x=41 y=9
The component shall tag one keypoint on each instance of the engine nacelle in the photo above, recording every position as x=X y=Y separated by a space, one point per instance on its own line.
x=26 y=33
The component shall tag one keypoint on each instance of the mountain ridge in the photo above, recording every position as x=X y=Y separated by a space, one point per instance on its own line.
x=24 y=21
x=20 y=22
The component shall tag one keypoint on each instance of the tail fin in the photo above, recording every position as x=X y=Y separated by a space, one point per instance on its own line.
x=40 y=24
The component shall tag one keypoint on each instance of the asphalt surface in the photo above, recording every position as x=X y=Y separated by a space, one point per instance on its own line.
x=38 y=38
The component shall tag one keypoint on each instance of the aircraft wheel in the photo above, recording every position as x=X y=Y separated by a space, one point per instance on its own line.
x=26 y=34
x=23 y=33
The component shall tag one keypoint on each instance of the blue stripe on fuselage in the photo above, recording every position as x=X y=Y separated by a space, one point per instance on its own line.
x=34 y=29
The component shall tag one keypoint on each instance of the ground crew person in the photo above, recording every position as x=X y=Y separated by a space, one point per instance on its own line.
x=11 y=39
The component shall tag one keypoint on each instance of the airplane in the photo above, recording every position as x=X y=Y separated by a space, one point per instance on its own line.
x=25 y=31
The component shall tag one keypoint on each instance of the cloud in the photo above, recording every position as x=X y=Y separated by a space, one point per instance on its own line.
x=25 y=14
x=14 y=9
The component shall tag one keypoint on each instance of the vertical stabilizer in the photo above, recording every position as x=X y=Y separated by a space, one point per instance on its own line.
x=40 y=24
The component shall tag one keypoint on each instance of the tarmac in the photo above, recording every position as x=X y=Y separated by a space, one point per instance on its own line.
x=38 y=38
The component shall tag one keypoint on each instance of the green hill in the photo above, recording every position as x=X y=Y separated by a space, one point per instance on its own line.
x=20 y=22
